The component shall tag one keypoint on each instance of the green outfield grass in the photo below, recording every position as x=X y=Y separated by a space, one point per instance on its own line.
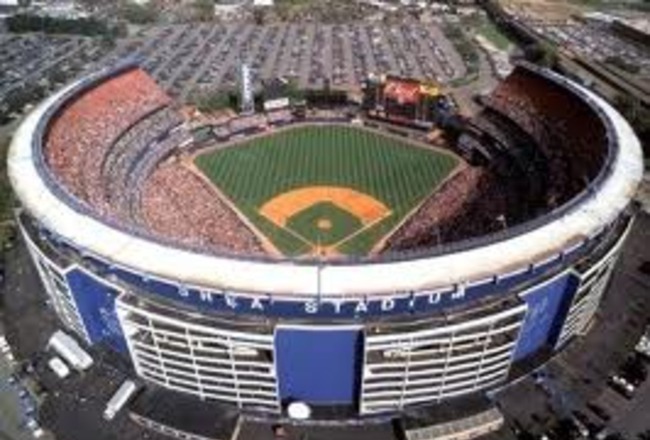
x=393 y=172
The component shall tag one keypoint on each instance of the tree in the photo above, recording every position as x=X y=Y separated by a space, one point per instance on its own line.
x=204 y=9
x=211 y=100
x=637 y=115
x=138 y=13
x=294 y=92
x=543 y=54
x=34 y=23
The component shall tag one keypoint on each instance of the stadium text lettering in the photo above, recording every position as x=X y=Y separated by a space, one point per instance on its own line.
x=400 y=303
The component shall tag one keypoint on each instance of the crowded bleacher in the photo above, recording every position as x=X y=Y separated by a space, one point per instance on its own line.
x=117 y=147
x=80 y=137
x=539 y=147
x=566 y=130
x=178 y=204
x=106 y=147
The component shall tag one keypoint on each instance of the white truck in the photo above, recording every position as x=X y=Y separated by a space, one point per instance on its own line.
x=121 y=397
x=70 y=350
x=59 y=367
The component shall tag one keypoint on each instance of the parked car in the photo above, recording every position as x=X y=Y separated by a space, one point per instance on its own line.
x=34 y=428
x=621 y=386
x=591 y=425
x=600 y=412
x=59 y=367
x=634 y=370
x=580 y=427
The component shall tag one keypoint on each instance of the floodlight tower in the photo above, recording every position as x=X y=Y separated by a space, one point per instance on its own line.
x=247 y=98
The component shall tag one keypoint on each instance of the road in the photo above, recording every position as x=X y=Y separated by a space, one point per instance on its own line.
x=485 y=82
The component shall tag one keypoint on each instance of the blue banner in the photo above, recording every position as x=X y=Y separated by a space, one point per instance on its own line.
x=547 y=308
x=96 y=304
x=319 y=366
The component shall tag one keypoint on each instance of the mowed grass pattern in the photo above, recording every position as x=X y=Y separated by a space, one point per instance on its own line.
x=396 y=173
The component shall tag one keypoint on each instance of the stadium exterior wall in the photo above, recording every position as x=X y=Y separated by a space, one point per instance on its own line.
x=379 y=366
x=414 y=329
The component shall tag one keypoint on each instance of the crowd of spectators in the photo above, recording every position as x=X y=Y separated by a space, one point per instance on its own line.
x=180 y=205
x=543 y=146
x=108 y=145
x=143 y=138
x=423 y=227
x=252 y=124
x=568 y=132
x=473 y=203
x=518 y=160
x=144 y=167
x=109 y=148
x=81 y=136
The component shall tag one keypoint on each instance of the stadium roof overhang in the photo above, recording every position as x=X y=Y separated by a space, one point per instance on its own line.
x=588 y=214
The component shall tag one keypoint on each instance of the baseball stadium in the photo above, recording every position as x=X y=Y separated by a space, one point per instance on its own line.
x=326 y=261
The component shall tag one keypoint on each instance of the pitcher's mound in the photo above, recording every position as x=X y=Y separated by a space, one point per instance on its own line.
x=324 y=224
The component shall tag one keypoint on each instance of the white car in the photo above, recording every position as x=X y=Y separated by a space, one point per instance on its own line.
x=34 y=427
x=59 y=367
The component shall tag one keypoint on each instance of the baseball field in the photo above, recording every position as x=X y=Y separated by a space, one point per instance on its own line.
x=325 y=190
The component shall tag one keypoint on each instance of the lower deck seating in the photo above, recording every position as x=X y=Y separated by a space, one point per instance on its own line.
x=180 y=205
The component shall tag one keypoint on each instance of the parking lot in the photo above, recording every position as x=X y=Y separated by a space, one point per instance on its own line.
x=30 y=62
x=189 y=58
x=13 y=407
x=595 y=41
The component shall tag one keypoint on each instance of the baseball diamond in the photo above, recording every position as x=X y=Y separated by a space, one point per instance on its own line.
x=362 y=181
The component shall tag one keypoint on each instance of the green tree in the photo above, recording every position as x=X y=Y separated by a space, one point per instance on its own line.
x=211 y=100
x=541 y=53
x=138 y=13
x=637 y=115
x=204 y=9
x=294 y=92
x=51 y=25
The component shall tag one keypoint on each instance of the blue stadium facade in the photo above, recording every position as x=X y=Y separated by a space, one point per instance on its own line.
x=372 y=336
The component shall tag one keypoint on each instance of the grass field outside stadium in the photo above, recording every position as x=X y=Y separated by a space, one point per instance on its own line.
x=326 y=189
